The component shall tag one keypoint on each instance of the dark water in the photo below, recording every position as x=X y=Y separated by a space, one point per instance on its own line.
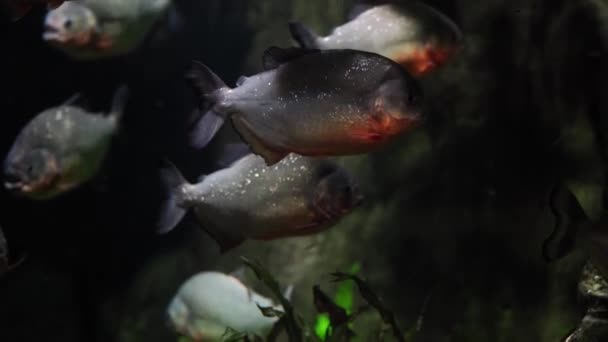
x=457 y=212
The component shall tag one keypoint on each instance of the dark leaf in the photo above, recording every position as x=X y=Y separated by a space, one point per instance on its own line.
x=271 y=312
x=324 y=304
x=294 y=331
x=372 y=299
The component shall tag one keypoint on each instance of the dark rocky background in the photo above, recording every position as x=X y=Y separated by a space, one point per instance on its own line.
x=456 y=212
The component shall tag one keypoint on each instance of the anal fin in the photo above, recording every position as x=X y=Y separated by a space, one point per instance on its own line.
x=270 y=156
x=224 y=241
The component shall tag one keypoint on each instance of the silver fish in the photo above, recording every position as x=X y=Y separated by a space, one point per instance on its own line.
x=210 y=303
x=60 y=149
x=311 y=102
x=412 y=34
x=92 y=29
x=249 y=200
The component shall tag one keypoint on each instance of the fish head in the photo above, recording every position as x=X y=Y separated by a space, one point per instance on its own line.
x=337 y=194
x=71 y=24
x=422 y=60
x=438 y=39
x=396 y=105
x=31 y=173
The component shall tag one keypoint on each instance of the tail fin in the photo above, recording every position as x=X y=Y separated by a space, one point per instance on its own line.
x=119 y=103
x=205 y=82
x=303 y=35
x=172 y=210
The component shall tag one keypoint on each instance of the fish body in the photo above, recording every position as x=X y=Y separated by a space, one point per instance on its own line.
x=92 y=29
x=318 y=103
x=249 y=200
x=17 y=9
x=412 y=34
x=209 y=303
x=60 y=148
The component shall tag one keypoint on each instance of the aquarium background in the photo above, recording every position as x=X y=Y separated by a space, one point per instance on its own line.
x=450 y=235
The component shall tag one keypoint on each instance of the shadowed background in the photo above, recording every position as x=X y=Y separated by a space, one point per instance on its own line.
x=456 y=212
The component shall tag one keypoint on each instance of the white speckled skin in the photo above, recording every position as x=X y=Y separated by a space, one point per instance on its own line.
x=250 y=200
x=384 y=29
x=75 y=139
x=116 y=27
x=323 y=104
x=210 y=302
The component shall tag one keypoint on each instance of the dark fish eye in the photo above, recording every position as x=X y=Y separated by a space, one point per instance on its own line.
x=67 y=24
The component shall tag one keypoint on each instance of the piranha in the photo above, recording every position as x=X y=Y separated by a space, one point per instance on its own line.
x=249 y=200
x=92 y=29
x=61 y=148
x=412 y=34
x=311 y=102
x=17 y=9
x=208 y=304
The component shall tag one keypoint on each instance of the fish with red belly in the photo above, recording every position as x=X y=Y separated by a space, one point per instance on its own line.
x=249 y=200
x=312 y=102
x=96 y=29
x=412 y=34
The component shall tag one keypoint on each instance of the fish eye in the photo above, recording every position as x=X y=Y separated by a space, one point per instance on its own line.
x=67 y=23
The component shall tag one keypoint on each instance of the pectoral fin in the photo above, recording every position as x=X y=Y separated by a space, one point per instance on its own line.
x=258 y=147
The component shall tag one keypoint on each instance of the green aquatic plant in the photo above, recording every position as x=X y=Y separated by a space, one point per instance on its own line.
x=344 y=298
x=372 y=299
x=322 y=326
x=289 y=319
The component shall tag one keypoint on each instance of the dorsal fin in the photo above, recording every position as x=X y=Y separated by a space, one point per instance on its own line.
x=357 y=10
x=77 y=100
x=240 y=274
x=241 y=80
x=275 y=56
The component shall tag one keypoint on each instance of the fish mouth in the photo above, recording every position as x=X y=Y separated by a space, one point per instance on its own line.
x=14 y=186
x=53 y=33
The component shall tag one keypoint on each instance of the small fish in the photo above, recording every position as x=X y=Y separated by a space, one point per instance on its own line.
x=61 y=148
x=92 y=29
x=17 y=9
x=412 y=34
x=311 y=102
x=249 y=200
x=209 y=304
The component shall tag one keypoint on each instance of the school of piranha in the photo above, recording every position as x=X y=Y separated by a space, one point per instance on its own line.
x=363 y=93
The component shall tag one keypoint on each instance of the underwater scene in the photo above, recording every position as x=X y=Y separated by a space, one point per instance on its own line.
x=304 y=170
